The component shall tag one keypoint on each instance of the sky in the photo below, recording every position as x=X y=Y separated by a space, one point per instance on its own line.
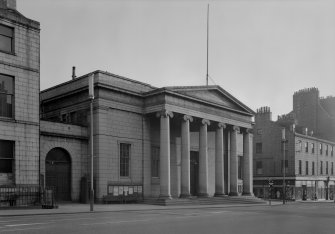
x=260 y=51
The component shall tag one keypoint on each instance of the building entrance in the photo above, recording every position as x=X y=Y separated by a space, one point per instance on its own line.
x=58 y=173
x=194 y=172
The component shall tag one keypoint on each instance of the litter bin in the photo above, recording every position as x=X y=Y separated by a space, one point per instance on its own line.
x=48 y=201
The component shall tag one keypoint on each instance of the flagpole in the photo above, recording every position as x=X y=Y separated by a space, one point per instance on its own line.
x=207 y=42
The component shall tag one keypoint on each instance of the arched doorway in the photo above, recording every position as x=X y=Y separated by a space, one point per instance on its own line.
x=58 y=173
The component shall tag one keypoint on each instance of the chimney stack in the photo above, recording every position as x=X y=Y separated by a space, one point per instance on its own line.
x=9 y=4
x=74 y=73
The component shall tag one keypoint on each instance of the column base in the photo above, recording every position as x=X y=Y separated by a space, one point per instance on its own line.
x=220 y=195
x=233 y=194
x=185 y=196
x=248 y=194
x=203 y=195
x=164 y=197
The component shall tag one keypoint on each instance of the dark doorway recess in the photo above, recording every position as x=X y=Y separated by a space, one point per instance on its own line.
x=58 y=173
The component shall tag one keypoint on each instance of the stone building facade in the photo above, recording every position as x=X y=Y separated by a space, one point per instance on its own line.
x=309 y=159
x=19 y=97
x=167 y=142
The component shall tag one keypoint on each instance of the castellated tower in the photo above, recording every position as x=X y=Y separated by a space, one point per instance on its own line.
x=305 y=107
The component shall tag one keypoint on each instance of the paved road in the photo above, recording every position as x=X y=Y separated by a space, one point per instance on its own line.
x=293 y=218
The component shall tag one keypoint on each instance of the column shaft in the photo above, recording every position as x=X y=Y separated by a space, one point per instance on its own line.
x=185 y=156
x=233 y=162
x=165 y=187
x=219 y=162
x=203 y=160
x=247 y=167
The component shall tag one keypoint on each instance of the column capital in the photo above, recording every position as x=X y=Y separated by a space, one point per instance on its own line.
x=188 y=118
x=206 y=121
x=235 y=128
x=222 y=125
x=164 y=113
x=248 y=131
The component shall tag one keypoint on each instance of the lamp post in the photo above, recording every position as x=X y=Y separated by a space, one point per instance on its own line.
x=327 y=191
x=283 y=139
x=91 y=97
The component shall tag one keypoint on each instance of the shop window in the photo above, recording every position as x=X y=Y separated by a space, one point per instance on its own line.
x=6 y=156
x=155 y=161
x=6 y=39
x=124 y=159
x=6 y=96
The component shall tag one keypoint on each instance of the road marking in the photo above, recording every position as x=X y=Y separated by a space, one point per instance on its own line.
x=23 y=224
x=21 y=229
x=116 y=222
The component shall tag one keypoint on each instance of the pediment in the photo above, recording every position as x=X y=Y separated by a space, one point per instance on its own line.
x=213 y=94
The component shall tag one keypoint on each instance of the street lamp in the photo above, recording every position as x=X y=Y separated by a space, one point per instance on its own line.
x=283 y=139
x=327 y=191
x=91 y=97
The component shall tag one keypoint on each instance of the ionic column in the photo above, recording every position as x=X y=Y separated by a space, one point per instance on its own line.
x=233 y=161
x=247 y=161
x=165 y=187
x=185 y=156
x=203 y=159
x=219 y=162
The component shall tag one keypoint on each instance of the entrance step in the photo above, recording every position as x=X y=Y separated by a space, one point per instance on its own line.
x=205 y=201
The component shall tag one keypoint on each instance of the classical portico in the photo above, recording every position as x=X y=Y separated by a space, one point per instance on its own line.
x=223 y=145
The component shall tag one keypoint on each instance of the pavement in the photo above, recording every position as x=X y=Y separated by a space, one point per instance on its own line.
x=73 y=208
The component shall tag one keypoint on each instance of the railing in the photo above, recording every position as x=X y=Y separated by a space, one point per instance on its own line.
x=19 y=196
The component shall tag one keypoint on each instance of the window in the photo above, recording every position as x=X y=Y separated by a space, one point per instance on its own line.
x=300 y=167
x=6 y=156
x=332 y=150
x=327 y=148
x=306 y=167
x=259 y=131
x=332 y=169
x=327 y=168
x=124 y=159
x=313 y=168
x=312 y=148
x=320 y=148
x=6 y=39
x=240 y=167
x=155 y=161
x=306 y=147
x=286 y=166
x=259 y=168
x=321 y=167
x=258 y=148
x=6 y=96
x=299 y=146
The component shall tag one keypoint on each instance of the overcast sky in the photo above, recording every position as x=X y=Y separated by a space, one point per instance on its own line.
x=261 y=51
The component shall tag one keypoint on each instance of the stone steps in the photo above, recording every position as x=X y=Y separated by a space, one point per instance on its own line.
x=205 y=201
